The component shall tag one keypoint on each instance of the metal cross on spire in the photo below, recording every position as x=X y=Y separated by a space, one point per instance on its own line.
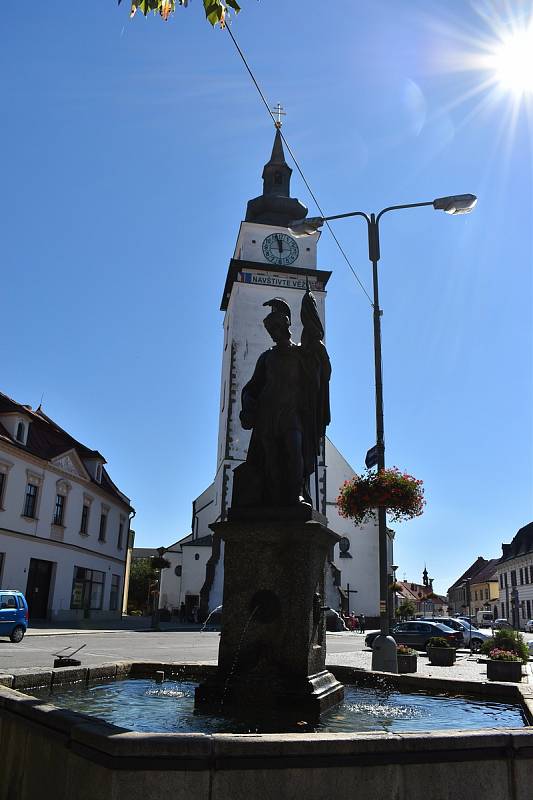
x=279 y=113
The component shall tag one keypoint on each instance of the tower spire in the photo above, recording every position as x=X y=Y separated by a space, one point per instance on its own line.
x=275 y=206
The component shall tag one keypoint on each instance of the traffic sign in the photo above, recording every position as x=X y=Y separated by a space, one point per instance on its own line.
x=371 y=459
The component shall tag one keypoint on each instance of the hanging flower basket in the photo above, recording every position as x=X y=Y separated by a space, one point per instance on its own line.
x=400 y=493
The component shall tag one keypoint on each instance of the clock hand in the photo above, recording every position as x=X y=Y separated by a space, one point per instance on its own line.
x=280 y=245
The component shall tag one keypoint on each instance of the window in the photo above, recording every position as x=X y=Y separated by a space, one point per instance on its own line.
x=521 y=576
x=528 y=604
x=30 y=501
x=84 y=522
x=197 y=556
x=486 y=594
x=120 y=533
x=505 y=579
x=103 y=526
x=87 y=589
x=59 y=509
x=501 y=580
x=21 y=430
x=113 y=597
x=513 y=577
x=99 y=473
x=2 y=486
x=278 y=178
x=7 y=601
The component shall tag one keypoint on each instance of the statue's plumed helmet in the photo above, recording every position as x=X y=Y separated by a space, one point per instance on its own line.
x=281 y=312
x=281 y=306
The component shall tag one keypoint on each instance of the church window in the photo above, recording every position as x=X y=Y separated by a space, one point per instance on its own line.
x=21 y=430
x=278 y=178
x=223 y=397
x=197 y=556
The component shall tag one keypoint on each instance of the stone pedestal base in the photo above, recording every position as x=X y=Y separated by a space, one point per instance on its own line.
x=273 y=643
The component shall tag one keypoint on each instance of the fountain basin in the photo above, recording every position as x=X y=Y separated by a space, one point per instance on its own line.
x=49 y=752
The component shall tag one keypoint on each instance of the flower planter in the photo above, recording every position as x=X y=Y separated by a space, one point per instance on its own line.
x=406 y=663
x=441 y=656
x=504 y=671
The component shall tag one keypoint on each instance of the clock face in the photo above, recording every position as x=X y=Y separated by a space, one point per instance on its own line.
x=278 y=248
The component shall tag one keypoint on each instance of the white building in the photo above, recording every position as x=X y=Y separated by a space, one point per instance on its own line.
x=269 y=262
x=64 y=525
x=182 y=581
x=514 y=573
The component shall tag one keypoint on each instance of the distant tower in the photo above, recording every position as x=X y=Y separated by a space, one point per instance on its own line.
x=425 y=580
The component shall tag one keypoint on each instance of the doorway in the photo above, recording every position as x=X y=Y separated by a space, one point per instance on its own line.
x=38 y=588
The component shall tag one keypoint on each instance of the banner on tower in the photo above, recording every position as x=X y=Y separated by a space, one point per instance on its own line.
x=279 y=281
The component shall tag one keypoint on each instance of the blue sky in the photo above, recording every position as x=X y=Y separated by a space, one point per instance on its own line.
x=130 y=149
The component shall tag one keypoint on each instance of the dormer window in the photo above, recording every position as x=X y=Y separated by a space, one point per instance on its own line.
x=21 y=433
x=99 y=473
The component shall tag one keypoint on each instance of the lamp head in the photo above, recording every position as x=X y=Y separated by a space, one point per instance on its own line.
x=306 y=227
x=456 y=203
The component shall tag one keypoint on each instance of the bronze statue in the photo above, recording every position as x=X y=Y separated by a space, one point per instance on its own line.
x=286 y=405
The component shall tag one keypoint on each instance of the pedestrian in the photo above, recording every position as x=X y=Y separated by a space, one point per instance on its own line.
x=362 y=623
x=355 y=623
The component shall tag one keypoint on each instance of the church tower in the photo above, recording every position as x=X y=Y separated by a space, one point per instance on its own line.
x=269 y=261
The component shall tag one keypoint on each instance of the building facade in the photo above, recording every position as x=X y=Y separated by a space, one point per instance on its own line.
x=268 y=262
x=64 y=525
x=514 y=573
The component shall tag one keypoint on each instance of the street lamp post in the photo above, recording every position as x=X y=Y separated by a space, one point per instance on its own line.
x=384 y=649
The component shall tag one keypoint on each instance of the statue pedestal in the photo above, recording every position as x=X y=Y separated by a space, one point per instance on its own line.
x=273 y=642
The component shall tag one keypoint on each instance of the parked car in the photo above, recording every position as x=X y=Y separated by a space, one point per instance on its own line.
x=417 y=633
x=501 y=623
x=529 y=626
x=457 y=624
x=14 y=617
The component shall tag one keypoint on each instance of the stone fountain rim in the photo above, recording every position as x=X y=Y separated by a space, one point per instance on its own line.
x=121 y=748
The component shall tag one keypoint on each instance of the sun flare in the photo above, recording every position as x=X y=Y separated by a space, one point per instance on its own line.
x=512 y=62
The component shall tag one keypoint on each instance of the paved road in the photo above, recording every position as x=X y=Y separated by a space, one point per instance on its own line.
x=37 y=651
x=193 y=646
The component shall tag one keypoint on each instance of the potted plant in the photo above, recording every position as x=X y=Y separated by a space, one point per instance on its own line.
x=440 y=652
x=406 y=658
x=400 y=493
x=504 y=665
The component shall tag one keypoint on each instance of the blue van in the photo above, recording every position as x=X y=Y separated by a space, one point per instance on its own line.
x=14 y=615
